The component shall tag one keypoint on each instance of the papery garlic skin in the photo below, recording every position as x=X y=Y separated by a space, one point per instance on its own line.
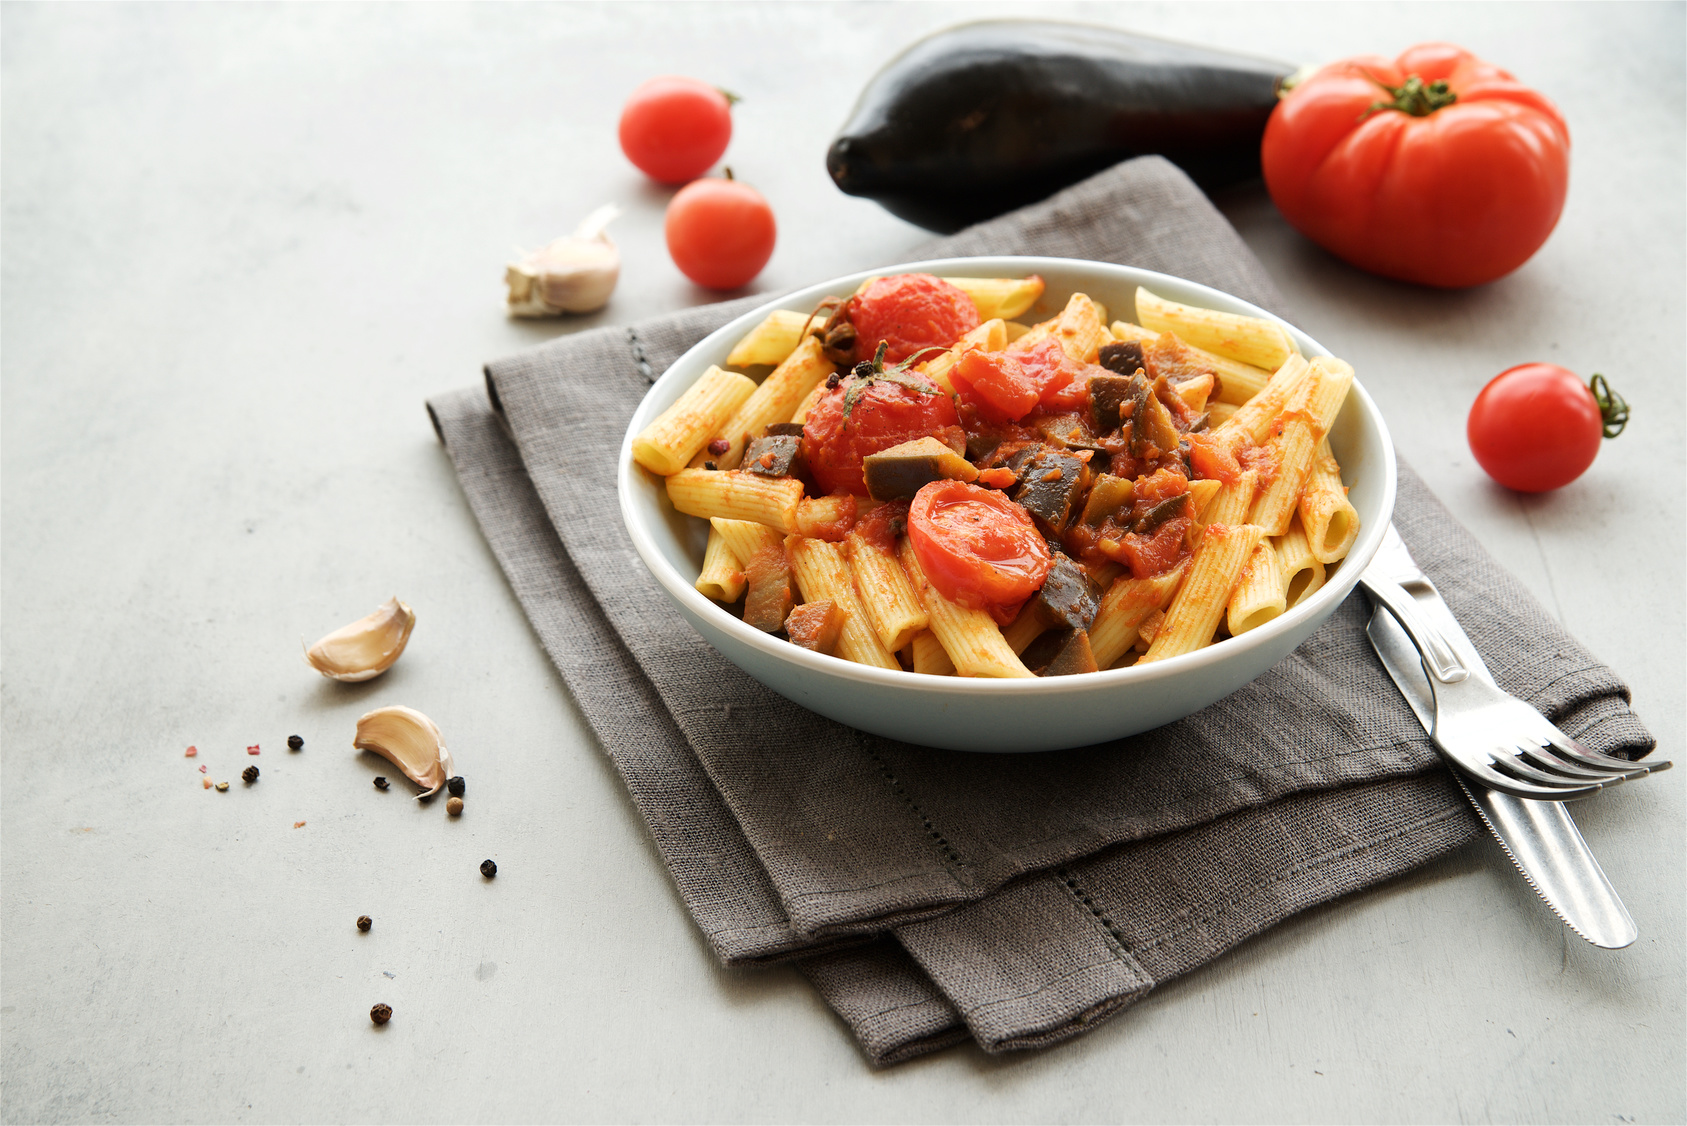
x=367 y=647
x=574 y=274
x=410 y=741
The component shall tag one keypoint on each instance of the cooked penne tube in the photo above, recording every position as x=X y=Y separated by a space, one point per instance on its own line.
x=1294 y=441
x=1232 y=503
x=822 y=574
x=1259 y=593
x=929 y=656
x=1024 y=629
x=737 y=496
x=779 y=395
x=1219 y=413
x=678 y=433
x=1303 y=574
x=1251 y=424
x=886 y=594
x=1194 y=614
x=970 y=637
x=1330 y=520
x=1334 y=378
x=746 y=537
x=1000 y=297
x=1252 y=340
x=1125 y=606
x=800 y=415
x=1079 y=329
x=1201 y=493
x=721 y=578
x=771 y=341
x=991 y=336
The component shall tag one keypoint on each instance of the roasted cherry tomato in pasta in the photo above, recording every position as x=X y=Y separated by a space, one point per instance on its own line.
x=1537 y=427
x=1435 y=167
x=674 y=129
x=864 y=414
x=910 y=312
x=720 y=232
x=977 y=547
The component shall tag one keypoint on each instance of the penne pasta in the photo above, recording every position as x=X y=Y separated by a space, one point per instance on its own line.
x=1078 y=328
x=778 y=397
x=772 y=340
x=678 y=433
x=971 y=637
x=892 y=606
x=722 y=577
x=1259 y=595
x=991 y=336
x=1330 y=521
x=1194 y=614
x=1124 y=608
x=737 y=496
x=822 y=574
x=929 y=655
x=1000 y=298
x=1303 y=573
x=1251 y=340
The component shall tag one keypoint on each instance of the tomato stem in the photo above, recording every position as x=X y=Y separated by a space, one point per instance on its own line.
x=1613 y=408
x=731 y=98
x=1413 y=96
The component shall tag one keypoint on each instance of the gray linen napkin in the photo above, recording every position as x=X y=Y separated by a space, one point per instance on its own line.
x=1016 y=899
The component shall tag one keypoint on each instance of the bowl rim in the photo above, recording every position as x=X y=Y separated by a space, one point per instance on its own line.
x=1321 y=605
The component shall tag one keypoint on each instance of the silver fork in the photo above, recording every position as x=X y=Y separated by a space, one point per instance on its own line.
x=1491 y=735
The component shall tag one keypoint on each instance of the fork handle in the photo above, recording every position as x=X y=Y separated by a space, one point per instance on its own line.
x=1439 y=659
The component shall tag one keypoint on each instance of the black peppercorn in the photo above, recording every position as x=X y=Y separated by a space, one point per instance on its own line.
x=380 y=1014
x=364 y=922
x=488 y=869
x=380 y=783
x=295 y=743
x=249 y=775
x=455 y=785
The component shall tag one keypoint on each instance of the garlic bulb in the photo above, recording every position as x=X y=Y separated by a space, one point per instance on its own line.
x=574 y=274
x=410 y=741
x=366 y=648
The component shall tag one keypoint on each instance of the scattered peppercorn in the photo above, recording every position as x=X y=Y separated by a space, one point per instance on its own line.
x=456 y=785
x=380 y=783
x=488 y=869
x=295 y=743
x=710 y=466
x=249 y=775
x=454 y=806
x=364 y=922
x=380 y=1014
x=719 y=446
x=222 y=787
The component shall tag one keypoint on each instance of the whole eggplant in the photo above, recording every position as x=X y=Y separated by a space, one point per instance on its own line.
x=985 y=117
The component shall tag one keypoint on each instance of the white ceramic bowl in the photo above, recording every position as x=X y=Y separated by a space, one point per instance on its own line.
x=1000 y=715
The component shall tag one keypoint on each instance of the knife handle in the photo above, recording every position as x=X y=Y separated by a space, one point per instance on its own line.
x=1438 y=656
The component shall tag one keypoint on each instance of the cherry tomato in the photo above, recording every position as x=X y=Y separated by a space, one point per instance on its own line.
x=977 y=547
x=862 y=416
x=1436 y=168
x=674 y=129
x=720 y=232
x=1537 y=427
x=910 y=312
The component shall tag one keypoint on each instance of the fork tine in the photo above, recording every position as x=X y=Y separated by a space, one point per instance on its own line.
x=1511 y=764
x=1494 y=780
x=1576 y=752
x=1545 y=758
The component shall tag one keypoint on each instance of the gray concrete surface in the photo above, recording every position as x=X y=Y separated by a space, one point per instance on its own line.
x=243 y=243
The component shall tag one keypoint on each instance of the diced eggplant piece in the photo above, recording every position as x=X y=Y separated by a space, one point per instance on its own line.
x=769 y=600
x=1061 y=652
x=816 y=626
x=785 y=429
x=981 y=446
x=1068 y=597
x=1141 y=396
x=1167 y=509
x=773 y=456
x=1109 y=496
x=1068 y=431
x=1108 y=395
x=1122 y=356
x=1050 y=483
x=901 y=470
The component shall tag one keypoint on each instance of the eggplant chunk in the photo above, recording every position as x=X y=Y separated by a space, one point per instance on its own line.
x=1068 y=597
x=773 y=456
x=1122 y=356
x=985 y=117
x=901 y=470
x=1109 y=496
x=788 y=429
x=1108 y=396
x=1068 y=431
x=1050 y=483
x=769 y=600
x=816 y=626
x=1167 y=509
x=1061 y=652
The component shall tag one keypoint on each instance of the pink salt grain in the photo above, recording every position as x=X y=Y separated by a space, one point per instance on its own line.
x=191 y=751
x=252 y=750
x=202 y=768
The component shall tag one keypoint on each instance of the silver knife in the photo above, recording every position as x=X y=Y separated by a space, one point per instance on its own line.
x=1539 y=836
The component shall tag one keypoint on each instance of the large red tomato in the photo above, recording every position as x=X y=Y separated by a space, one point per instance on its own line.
x=1436 y=168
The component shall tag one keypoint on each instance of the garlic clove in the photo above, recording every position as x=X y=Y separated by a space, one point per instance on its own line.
x=574 y=274
x=366 y=648
x=410 y=741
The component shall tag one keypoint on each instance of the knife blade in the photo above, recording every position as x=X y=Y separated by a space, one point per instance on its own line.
x=1539 y=837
